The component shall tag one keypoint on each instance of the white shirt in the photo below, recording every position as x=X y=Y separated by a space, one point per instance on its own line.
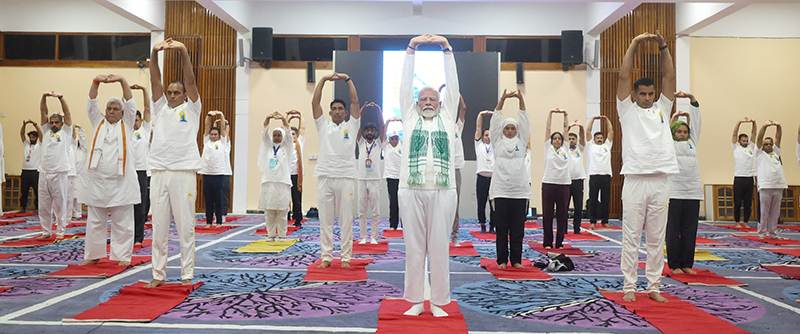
x=274 y=160
x=33 y=155
x=294 y=167
x=174 y=144
x=372 y=153
x=556 y=165
x=576 y=170
x=55 y=149
x=528 y=165
x=508 y=174
x=215 y=153
x=103 y=185
x=797 y=153
x=458 y=157
x=598 y=158
x=647 y=147
x=141 y=146
x=81 y=150
x=337 y=159
x=744 y=158
x=686 y=184
x=770 y=169
x=410 y=113
x=484 y=158
x=392 y=158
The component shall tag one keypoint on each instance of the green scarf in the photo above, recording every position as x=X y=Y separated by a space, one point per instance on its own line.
x=418 y=154
x=674 y=127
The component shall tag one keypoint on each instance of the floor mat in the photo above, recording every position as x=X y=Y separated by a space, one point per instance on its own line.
x=783 y=270
x=532 y=225
x=9 y=222
x=33 y=242
x=106 y=268
x=677 y=316
x=600 y=227
x=529 y=273
x=703 y=277
x=776 y=242
x=381 y=248
x=788 y=251
x=392 y=234
x=214 y=230
x=567 y=250
x=135 y=303
x=741 y=229
x=265 y=246
x=5 y=288
x=228 y=219
x=464 y=249
x=483 y=236
x=5 y=256
x=263 y=231
x=17 y=215
x=790 y=227
x=335 y=273
x=706 y=241
x=392 y=320
x=583 y=237
x=54 y=227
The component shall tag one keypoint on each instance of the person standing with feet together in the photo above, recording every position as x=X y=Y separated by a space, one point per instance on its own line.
x=140 y=142
x=577 y=143
x=598 y=164
x=648 y=153
x=484 y=158
x=30 y=164
x=336 y=168
x=556 y=182
x=274 y=161
x=55 y=165
x=744 y=158
x=370 y=146
x=174 y=161
x=771 y=180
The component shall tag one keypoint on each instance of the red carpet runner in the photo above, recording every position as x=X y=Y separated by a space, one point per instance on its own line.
x=228 y=219
x=676 y=316
x=529 y=273
x=392 y=320
x=5 y=288
x=706 y=241
x=741 y=229
x=392 y=234
x=790 y=227
x=9 y=222
x=776 y=242
x=335 y=273
x=29 y=242
x=532 y=225
x=5 y=256
x=464 y=249
x=571 y=236
x=788 y=251
x=54 y=227
x=381 y=248
x=483 y=236
x=105 y=269
x=214 y=230
x=17 y=215
x=703 y=277
x=263 y=231
x=788 y=271
x=135 y=303
x=568 y=250
x=599 y=227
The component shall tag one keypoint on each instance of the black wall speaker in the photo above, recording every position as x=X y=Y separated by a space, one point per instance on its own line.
x=571 y=48
x=520 y=73
x=310 y=70
x=262 y=45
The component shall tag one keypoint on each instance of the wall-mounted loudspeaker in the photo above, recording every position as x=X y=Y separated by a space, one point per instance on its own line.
x=520 y=73
x=310 y=70
x=262 y=45
x=571 y=48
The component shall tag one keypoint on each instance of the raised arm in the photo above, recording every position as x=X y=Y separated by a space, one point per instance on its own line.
x=93 y=89
x=155 y=72
x=581 y=136
x=624 y=85
x=610 y=129
x=64 y=108
x=127 y=95
x=188 y=73
x=798 y=137
x=736 y=127
x=479 y=124
x=502 y=100
x=43 y=107
x=667 y=68
x=355 y=110
x=146 y=99
x=753 y=130
x=294 y=114
x=223 y=125
x=207 y=123
x=778 y=134
x=760 y=140
x=381 y=125
x=462 y=108
x=316 y=108
x=22 y=130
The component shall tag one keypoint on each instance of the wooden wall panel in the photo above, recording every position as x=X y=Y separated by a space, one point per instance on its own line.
x=614 y=41
x=212 y=48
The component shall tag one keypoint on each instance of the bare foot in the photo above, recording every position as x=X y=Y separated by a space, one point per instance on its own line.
x=677 y=271
x=124 y=263
x=345 y=264
x=737 y=225
x=209 y=225
x=325 y=264
x=518 y=265
x=606 y=225
x=59 y=236
x=88 y=262
x=218 y=225
x=689 y=271
x=186 y=282
x=629 y=297
x=547 y=247
x=44 y=236
x=501 y=266
x=155 y=283
x=137 y=243
x=657 y=297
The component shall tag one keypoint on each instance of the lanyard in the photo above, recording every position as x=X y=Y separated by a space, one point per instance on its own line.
x=369 y=149
x=275 y=151
x=488 y=148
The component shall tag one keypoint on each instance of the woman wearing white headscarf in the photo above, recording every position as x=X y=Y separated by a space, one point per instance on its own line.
x=274 y=160
x=510 y=191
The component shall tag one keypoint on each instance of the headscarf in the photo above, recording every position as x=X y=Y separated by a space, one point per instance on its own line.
x=283 y=133
x=674 y=128
x=509 y=144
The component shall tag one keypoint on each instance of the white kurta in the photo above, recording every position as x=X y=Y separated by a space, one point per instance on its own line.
x=686 y=184
x=509 y=179
x=102 y=186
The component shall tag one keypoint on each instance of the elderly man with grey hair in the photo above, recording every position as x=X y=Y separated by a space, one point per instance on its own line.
x=110 y=184
x=54 y=166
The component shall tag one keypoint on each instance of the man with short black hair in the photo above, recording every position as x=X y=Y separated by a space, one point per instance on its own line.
x=744 y=172
x=577 y=173
x=336 y=168
x=297 y=169
x=370 y=146
x=140 y=142
x=598 y=166
x=55 y=165
x=32 y=156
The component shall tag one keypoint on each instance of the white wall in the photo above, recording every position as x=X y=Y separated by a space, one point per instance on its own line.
x=390 y=17
x=62 y=16
x=774 y=20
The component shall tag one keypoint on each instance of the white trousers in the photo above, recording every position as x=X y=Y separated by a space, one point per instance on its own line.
x=53 y=192
x=172 y=193
x=335 y=199
x=276 y=221
x=645 y=203
x=121 y=233
x=369 y=200
x=770 y=200
x=427 y=219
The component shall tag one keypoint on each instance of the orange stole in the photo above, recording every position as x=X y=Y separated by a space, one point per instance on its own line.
x=124 y=146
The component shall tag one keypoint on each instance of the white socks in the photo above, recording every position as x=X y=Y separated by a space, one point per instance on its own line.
x=418 y=308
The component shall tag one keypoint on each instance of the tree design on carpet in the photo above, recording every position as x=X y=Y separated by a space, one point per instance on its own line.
x=742 y=243
x=34 y=286
x=563 y=301
x=11 y=272
x=730 y=307
x=299 y=255
x=57 y=256
x=747 y=260
x=600 y=262
x=275 y=296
